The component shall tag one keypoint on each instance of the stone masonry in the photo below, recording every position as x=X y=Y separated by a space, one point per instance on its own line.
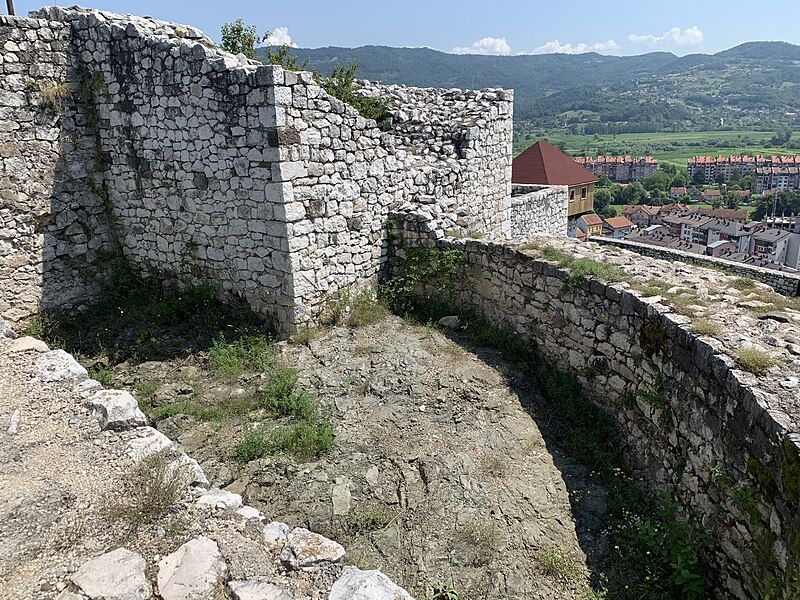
x=694 y=421
x=52 y=221
x=208 y=167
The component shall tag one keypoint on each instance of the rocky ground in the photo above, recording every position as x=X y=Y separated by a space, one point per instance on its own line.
x=93 y=504
x=439 y=469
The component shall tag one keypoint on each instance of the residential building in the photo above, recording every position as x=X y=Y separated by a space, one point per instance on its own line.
x=715 y=230
x=685 y=226
x=769 y=172
x=544 y=164
x=777 y=179
x=711 y=194
x=770 y=244
x=641 y=215
x=720 y=248
x=621 y=169
x=590 y=224
x=617 y=227
x=730 y=214
x=677 y=192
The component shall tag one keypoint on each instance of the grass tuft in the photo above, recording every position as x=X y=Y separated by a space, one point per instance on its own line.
x=755 y=361
x=150 y=490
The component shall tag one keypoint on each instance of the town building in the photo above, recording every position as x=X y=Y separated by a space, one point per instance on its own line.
x=617 y=227
x=544 y=164
x=677 y=192
x=768 y=172
x=590 y=224
x=621 y=169
x=770 y=244
x=640 y=215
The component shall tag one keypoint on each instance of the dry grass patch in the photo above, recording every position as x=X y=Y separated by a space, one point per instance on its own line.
x=706 y=327
x=150 y=489
x=755 y=361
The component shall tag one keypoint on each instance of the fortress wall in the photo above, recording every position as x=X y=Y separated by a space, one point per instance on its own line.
x=214 y=168
x=694 y=424
x=53 y=224
x=190 y=155
x=783 y=282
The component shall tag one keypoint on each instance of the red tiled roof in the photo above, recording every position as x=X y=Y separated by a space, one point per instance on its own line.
x=618 y=222
x=545 y=164
x=592 y=219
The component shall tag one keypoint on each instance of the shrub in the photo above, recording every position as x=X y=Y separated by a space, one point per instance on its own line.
x=581 y=268
x=558 y=565
x=231 y=359
x=305 y=440
x=445 y=591
x=706 y=327
x=341 y=84
x=150 y=489
x=754 y=361
x=481 y=540
x=281 y=399
x=238 y=38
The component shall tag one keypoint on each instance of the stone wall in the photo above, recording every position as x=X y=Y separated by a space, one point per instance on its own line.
x=692 y=420
x=538 y=210
x=218 y=169
x=52 y=221
x=782 y=282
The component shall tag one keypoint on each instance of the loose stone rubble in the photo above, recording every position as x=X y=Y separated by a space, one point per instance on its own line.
x=56 y=540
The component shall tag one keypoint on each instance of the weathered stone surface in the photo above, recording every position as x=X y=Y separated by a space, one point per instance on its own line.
x=28 y=344
x=147 y=441
x=222 y=499
x=355 y=584
x=306 y=550
x=116 y=575
x=60 y=366
x=275 y=534
x=116 y=410
x=193 y=572
x=256 y=590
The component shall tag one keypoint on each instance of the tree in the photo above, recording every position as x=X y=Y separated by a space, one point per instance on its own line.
x=679 y=180
x=602 y=200
x=281 y=57
x=633 y=193
x=720 y=178
x=698 y=178
x=782 y=137
x=238 y=38
x=659 y=180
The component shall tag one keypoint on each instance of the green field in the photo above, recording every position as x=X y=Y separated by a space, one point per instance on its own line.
x=675 y=148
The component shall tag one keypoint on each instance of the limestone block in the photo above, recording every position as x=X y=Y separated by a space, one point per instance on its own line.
x=115 y=575
x=192 y=572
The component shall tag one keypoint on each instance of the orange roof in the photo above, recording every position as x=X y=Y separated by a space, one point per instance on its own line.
x=619 y=222
x=592 y=219
x=545 y=164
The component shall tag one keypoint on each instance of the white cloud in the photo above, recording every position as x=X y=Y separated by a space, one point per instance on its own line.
x=676 y=36
x=553 y=46
x=280 y=37
x=487 y=45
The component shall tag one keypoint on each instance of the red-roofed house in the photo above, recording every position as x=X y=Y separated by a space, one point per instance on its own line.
x=544 y=164
x=617 y=227
x=590 y=224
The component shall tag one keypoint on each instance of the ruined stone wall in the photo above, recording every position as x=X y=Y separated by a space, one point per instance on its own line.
x=188 y=139
x=53 y=223
x=218 y=169
x=693 y=421
x=538 y=210
x=782 y=282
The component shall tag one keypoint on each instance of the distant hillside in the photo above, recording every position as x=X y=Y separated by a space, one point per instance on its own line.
x=744 y=86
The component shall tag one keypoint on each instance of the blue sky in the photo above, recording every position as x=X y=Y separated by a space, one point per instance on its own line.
x=489 y=27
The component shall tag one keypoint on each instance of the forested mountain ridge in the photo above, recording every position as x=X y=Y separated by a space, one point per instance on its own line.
x=589 y=93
